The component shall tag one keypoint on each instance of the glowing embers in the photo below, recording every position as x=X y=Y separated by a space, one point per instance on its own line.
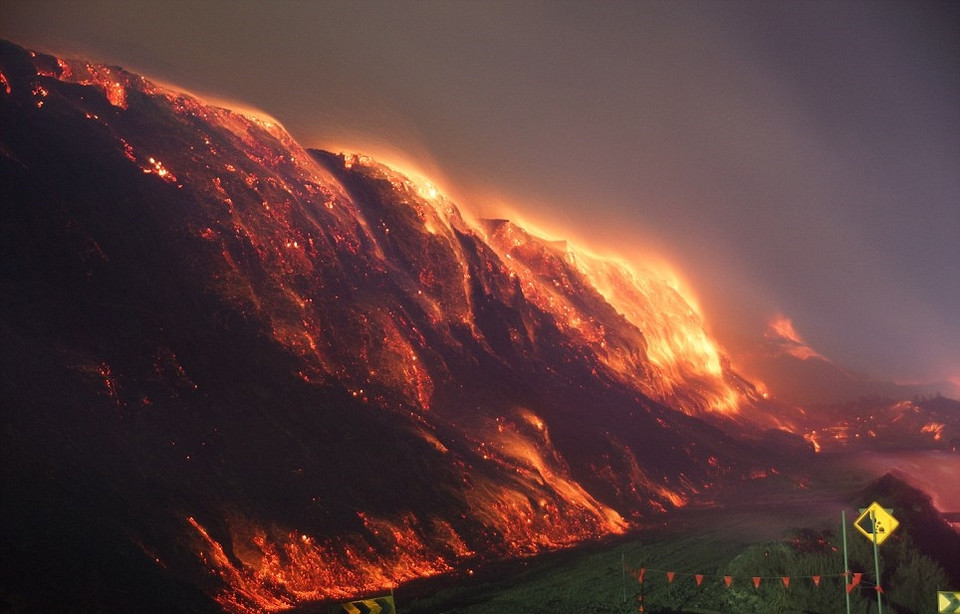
x=116 y=94
x=156 y=167
x=110 y=382
x=933 y=428
x=814 y=440
x=66 y=72
x=272 y=570
x=105 y=78
x=150 y=166
x=4 y=83
x=541 y=505
x=436 y=214
x=639 y=324
x=39 y=93
x=112 y=82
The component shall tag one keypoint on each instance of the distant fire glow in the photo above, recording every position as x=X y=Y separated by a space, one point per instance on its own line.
x=782 y=332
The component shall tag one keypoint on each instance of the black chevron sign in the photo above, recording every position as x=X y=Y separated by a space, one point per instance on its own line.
x=376 y=605
x=948 y=601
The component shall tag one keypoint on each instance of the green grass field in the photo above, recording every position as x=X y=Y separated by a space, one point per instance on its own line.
x=785 y=534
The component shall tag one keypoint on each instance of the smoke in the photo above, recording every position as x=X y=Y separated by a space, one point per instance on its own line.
x=787 y=158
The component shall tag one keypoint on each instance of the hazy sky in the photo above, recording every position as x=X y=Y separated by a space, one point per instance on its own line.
x=795 y=158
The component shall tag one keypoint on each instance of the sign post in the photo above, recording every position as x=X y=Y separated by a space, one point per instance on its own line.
x=876 y=523
x=846 y=564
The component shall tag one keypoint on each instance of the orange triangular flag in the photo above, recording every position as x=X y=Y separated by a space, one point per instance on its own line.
x=786 y=581
x=816 y=580
x=850 y=587
x=699 y=578
x=756 y=581
x=728 y=580
x=856 y=578
x=643 y=570
x=670 y=575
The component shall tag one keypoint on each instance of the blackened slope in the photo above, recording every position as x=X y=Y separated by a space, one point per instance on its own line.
x=200 y=322
x=135 y=392
x=489 y=332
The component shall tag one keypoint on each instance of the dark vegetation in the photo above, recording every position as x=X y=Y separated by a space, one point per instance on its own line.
x=916 y=561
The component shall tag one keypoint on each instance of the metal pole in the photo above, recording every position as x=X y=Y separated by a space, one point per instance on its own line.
x=846 y=565
x=623 y=571
x=876 y=562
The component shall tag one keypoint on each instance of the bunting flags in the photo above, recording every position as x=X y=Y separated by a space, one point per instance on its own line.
x=853 y=583
x=853 y=579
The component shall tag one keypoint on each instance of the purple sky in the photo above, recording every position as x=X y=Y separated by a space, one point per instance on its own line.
x=795 y=158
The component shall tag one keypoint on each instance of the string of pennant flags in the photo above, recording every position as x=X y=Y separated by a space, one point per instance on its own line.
x=852 y=579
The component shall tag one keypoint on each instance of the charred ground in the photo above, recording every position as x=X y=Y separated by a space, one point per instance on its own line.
x=238 y=374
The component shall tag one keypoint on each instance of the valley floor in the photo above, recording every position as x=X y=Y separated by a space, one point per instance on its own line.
x=701 y=539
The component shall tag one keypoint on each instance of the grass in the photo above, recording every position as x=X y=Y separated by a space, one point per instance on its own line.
x=598 y=579
x=602 y=578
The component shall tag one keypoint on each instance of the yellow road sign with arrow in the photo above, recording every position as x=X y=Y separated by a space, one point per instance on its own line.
x=948 y=601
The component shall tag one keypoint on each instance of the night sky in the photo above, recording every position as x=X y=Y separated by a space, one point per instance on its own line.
x=794 y=158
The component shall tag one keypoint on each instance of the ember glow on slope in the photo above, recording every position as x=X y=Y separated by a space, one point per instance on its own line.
x=789 y=158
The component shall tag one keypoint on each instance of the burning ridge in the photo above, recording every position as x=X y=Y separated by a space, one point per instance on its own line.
x=334 y=380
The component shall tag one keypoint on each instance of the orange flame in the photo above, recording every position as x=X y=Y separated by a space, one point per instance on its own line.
x=270 y=571
x=782 y=331
x=935 y=429
x=663 y=322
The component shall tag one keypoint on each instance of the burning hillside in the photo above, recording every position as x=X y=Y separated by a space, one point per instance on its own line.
x=284 y=375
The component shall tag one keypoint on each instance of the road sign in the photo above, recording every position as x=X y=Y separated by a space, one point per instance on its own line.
x=378 y=605
x=876 y=522
x=948 y=601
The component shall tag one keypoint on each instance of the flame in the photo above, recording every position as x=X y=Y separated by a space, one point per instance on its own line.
x=813 y=439
x=114 y=83
x=271 y=571
x=934 y=428
x=525 y=452
x=156 y=167
x=781 y=331
x=664 y=322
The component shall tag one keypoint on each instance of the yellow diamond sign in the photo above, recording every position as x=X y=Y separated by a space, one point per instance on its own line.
x=876 y=522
